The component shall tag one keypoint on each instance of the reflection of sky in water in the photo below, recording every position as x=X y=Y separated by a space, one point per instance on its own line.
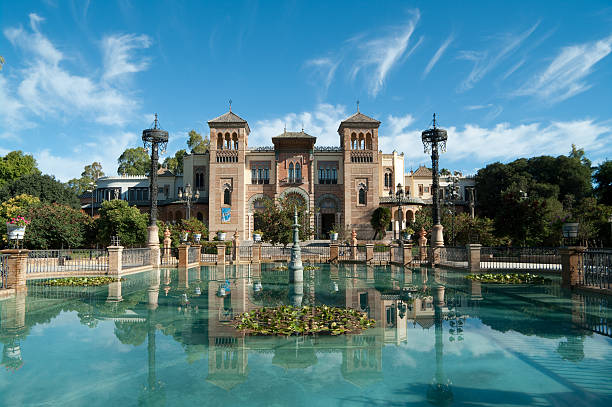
x=69 y=363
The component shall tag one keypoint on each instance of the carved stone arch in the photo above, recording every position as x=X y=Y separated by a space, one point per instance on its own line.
x=254 y=198
x=362 y=185
x=332 y=197
x=299 y=191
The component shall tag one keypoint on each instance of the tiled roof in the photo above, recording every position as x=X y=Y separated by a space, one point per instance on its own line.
x=360 y=118
x=295 y=134
x=422 y=171
x=164 y=172
x=229 y=117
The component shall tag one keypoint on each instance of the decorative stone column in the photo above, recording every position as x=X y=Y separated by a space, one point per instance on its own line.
x=153 y=245
x=220 y=253
x=353 y=244
x=473 y=252
x=236 y=248
x=407 y=253
x=422 y=245
x=256 y=252
x=333 y=252
x=369 y=252
x=439 y=295
x=167 y=244
x=571 y=264
x=115 y=260
x=17 y=266
x=183 y=259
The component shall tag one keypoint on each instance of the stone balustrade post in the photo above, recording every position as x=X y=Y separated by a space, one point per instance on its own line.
x=354 y=245
x=407 y=253
x=571 y=266
x=220 y=253
x=257 y=252
x=167 y=244
x=333 y=252
x=473 y=253
x=115 y=260
x=17 y=264
x=422 y=245
x=183 y=252
x=369 y=252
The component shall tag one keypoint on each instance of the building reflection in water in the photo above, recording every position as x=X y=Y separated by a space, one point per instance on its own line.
x=196 y=307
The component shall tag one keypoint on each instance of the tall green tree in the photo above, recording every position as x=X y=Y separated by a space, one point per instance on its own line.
x=45 y=187
x=381 y=217
x=196 y=143
x=603 y=179
x=134 y=161
x=117 y=218
x=175 y=164
x=16 y=164
x=89 y=176
x=276 y=221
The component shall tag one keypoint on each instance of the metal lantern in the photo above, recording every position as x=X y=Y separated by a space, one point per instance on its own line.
x=155 y=138
x=433 y=139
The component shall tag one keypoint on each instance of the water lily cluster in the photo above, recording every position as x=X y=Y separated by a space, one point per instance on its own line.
x=514 y=278
x=287 y=320
x=79 y=281
x=18 y=221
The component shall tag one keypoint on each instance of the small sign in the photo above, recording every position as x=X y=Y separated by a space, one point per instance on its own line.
x=226 y=215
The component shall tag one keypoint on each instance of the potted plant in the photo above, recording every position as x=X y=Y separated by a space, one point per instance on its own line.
x=257 y=235
x=16 y=227
x=221 y=235
x=197 y=236
x=185 y=235
x=406 y=233
x=333 y=235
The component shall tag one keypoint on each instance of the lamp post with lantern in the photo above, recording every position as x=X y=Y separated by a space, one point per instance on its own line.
x=187 y=196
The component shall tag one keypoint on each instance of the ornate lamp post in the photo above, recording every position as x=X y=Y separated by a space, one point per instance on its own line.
x=187 y=196
x=154 y=138
x=432 y=138
x=399 y=198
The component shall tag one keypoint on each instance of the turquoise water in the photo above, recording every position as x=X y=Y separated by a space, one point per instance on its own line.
x=162 y=338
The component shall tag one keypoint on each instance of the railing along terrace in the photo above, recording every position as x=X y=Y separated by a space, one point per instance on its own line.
x=528 y=258
x=382 y=253
x=456 y=256
x=344 y=252
x=47 y=261
x=135 y=258
x=275 y=252
x=192 y=255
x=597 y=268
x=315 y=253
x=172 y=260
x=397 y=253
x=208 y=257
x=3 y=269
x=245 y=252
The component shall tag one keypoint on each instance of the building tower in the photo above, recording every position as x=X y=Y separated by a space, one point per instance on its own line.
x=228 y=142
x=359 y=143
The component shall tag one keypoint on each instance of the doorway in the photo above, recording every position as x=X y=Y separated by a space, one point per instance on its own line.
x=327 y=223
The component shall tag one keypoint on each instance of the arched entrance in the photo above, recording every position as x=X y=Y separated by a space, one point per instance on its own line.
x=328 y=216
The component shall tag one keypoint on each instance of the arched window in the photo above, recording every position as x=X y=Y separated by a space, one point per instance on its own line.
x=298 y=172
x=227 y=197
x=368 y=141
x=219 y=141
x=291 y=172
x=362 y=196
x=235 y=140
x=386 y=180
x=228 y=143
x=334 y=176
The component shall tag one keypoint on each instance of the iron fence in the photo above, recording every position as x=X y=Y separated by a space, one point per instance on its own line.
x=315 y=254
x=135 y=258
x=3 y=269
x=382 y=253
x=344 y=252
x=528 y=258
x=397 y=253
x=597 y=268
x=245 y=252
x=47 y=261
x=275 y=252
x=455 y=256
x=192 y=254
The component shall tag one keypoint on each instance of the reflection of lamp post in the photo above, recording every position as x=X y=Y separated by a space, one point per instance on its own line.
x=187 y=196
x=154 y=138
x=439 y=392
x=431 y=139
x=399 y=197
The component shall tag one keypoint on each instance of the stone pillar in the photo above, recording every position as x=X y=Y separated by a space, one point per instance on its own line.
x=220 y=253
x=475 y=290
x=571 y=264
x=353 y=244
x=198 y=248
x=473 y=252
x=153 y=289
x=13 y=313
x=114 y=291
x=153 y=244
x=333 y=252
x=422 y=245
x=236 y=248
x=167 y=244
x=256 y=252
x=369 y=252
x=407 y=253
x=17 y=266
x=183 y=259
x=439 y=295
x=115 y=260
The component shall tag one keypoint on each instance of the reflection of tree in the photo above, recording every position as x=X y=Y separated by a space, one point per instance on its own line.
x=131 y=333
x=572 y=349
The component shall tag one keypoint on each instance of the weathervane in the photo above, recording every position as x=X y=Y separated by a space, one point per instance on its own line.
x=357 y=105
x=230 y=105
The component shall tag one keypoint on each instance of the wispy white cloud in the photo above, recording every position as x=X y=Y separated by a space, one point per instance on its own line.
x=325 y=69
x=566 y=74
x=437 y=55
x=478 y=107
x=118 y=51
x=380 y=55
x=486 y=61
x=322 y=123
x=47 y=87
x=513 y=68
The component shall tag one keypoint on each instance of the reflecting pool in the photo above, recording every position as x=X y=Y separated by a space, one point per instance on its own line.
x=164 y=338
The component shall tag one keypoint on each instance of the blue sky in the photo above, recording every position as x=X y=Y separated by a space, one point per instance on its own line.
x=506 y=79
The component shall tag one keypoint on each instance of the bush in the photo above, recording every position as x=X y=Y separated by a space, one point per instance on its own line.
x=117 y=218
x=55 y=226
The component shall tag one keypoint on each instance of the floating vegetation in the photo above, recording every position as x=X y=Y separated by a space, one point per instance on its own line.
x=308 y=268
x=514 y=278
x=280 y=268
x=79 y=281
x=288 y=320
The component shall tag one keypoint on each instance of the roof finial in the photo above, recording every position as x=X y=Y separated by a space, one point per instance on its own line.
x=230 y=105
x=302 y=127
x=357 y=105
x=285 y=129
x=155 y=125
x=434 y=121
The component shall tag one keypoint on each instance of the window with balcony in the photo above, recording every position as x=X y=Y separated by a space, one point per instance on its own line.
x=328 y=173
x=260 y=173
